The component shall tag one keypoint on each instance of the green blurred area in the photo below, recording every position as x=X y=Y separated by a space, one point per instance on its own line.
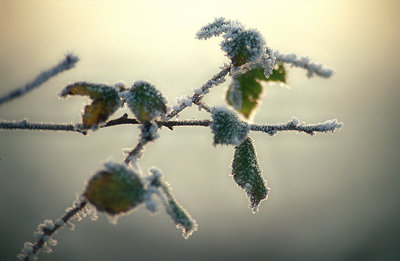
x=333 y=197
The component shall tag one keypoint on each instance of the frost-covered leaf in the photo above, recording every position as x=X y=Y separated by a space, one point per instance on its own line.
x=227 y=127
x=247 y=173
x=179 y=215
x=145 y=101
x=115 y=189
x=243 y=46
x=105 y=101
x=278 y=74
x=216 y=28
x=245 y=91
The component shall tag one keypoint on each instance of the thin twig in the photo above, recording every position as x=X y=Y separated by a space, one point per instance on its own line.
x=25 y=125
x=204 y=106
x=195 y=98
x=293 y=125
x=69 y=62
x=48 y=232
x=136 y=152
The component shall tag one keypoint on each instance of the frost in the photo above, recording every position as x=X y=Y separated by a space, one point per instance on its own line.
x=179 y=215
x=49 y=224
x=115 y=190
x=216 y=28
x=304 y=62
x=227 y=127
x=145 y=101
x=245 y=47
x=120 y=85
x=148 y=132
x=198 y=91
x=235 y=95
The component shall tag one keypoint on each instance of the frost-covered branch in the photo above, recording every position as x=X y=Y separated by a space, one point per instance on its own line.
x=304 y=62
x=199 y=93
x=46 y=230
x=292 y=125
x=69 y=62
x=25 y=125
x=295 y=125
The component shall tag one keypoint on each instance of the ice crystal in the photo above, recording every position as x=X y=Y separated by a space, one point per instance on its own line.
x=227 y=127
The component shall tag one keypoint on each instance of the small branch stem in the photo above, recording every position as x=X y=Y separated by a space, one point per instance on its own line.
x=25 y=125
x=136 y=152
x=69 y=62
x=292 y=125
x=195 y=98
x=47 y=232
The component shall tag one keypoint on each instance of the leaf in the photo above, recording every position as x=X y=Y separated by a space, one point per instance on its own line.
x=247 y=173
x=179 y=215
x=145 y=101
x=227 y=127
x=278 y=74
x=115 y=190
x=105 y=101
x=243 y=46
x=245 y=91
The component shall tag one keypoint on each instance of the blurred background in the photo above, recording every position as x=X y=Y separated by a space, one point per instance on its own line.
x=333 y=196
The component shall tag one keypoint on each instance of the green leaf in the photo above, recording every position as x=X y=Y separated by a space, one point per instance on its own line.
x=145 y=101
x=245 y=91
x=179 y=215
x=227 y=127
x=278 y=74
x=115 y=190
x=247 y=173
x=105 y=98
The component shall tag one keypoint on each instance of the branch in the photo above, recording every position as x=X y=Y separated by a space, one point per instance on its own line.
x=46 y=230
x=25 y=125
x=69 y=62
x=199 y=93
x=293 y=125
x=304 y=62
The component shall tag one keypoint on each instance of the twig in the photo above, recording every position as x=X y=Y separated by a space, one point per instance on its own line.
x=203 y=106
x=293 y=125
x=199 y=93
x=304 y=62
x=69 y=62
x=136 y=152
x=25 y=125
x=31 y=250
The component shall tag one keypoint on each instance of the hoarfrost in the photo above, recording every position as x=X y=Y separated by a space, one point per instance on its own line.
x=304 y=62
x=227 y=127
